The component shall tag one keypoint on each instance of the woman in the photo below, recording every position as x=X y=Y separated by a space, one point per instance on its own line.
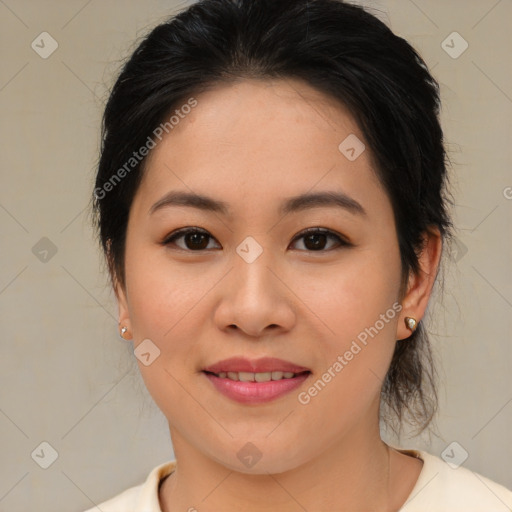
x=272 y=202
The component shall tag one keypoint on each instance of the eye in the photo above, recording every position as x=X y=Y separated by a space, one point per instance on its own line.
x=315 y=239
x=196 y=239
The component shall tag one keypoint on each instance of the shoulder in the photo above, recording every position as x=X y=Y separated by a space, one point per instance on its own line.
x=139 y=498
x=441 y=487
x=120 y=503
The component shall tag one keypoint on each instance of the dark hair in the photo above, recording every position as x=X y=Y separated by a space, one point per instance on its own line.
x=339 y=49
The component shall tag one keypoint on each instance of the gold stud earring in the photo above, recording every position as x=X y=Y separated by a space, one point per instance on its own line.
x=123 y=330
x=411 y=323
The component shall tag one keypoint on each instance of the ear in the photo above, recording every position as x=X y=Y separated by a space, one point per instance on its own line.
x=124 y=315
x=420 y=285
x=121 y=296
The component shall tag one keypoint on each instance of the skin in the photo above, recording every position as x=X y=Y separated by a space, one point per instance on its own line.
x=252 y=144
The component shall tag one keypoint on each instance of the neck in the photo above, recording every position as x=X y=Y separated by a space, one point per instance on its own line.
x=359 y=472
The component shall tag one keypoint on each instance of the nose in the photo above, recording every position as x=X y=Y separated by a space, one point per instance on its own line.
x=255 y=298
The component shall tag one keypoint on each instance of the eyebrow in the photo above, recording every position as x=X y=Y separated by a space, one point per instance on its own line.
x=292 y=204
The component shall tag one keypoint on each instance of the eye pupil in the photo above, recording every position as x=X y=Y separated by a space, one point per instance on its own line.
x=195 y=237
x=316 y=244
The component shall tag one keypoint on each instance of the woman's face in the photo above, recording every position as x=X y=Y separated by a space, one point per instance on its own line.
x=254 y=285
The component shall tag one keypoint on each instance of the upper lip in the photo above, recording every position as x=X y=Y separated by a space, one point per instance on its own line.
x=262 y=365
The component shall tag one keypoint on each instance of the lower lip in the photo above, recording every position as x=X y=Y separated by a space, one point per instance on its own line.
x=255 y=392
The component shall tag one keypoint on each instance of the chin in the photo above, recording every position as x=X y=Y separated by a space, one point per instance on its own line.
x=261 y=457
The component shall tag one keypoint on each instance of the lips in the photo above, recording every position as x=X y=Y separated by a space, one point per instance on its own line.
x=255 y=381
x=262 y=365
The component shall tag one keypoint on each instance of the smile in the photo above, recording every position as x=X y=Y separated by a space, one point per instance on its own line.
x=256 y=377
x=255 y=388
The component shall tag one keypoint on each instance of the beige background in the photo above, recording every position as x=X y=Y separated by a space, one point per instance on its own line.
x=68 y=379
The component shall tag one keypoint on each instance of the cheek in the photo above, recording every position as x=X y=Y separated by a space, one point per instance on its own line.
x=163 y=293
x=358 y=311
x=169 y=304
x=351 y=295
x=165 y=306
x=354 y=358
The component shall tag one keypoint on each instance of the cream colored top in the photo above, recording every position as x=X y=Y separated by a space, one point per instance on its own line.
x=439 y=488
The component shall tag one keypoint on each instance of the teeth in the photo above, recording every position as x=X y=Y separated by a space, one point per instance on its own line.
x=256 y=377
x=263 y=377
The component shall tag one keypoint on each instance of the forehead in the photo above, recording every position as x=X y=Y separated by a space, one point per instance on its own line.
x=228 y=112
x=254 y=139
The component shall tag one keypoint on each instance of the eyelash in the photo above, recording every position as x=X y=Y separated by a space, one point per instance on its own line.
x=180 y=233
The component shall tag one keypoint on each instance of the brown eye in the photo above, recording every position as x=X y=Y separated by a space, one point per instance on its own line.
x=194 y=239
x=315 y=239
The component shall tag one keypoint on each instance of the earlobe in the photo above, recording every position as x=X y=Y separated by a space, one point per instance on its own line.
x=123 y=331
x=411 y=323
x=420 y=284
